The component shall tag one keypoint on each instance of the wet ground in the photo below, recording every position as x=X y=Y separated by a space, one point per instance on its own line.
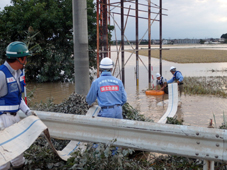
x=195 y=110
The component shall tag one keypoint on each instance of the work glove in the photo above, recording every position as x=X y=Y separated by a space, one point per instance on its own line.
x=31 y=113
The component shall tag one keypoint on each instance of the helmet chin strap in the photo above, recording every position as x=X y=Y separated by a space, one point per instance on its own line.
x=23 y=64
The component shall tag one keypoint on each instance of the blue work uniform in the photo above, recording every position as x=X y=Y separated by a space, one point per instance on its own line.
x=161 y=81
x=11 y=101
x=110 y=93
x=176 y=77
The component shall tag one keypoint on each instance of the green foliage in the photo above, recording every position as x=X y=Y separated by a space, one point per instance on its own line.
x=224 y=36
x=176 y=163
x=201 y=41
x=92 y=38
x=76 y=104
x=224 y=124
x=2 y=51
x=40 y=155
x=174 y=121
x=130 y=113
x=102 y=158
x=46 y=27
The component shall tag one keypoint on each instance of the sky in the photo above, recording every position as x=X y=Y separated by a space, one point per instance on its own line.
x=193 y=19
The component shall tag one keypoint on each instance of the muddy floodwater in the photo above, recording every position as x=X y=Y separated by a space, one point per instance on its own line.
x=194 y=110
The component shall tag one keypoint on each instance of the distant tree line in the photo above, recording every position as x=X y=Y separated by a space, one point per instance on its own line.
x=225 y=37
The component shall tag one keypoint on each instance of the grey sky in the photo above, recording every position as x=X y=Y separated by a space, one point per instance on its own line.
x=186 y=19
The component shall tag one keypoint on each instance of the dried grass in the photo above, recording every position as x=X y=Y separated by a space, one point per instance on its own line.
x=189 y=55
x=206 y=85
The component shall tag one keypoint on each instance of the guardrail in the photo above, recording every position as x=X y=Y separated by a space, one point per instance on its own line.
x=202 y=143
x=187 y=141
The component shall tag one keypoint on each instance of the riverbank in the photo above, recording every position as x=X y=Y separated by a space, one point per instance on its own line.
x=189 y=55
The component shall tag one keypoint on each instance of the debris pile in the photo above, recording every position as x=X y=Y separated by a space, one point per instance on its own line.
x=75 y=104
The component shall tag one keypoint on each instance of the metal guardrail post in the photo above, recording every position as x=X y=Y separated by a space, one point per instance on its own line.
x=208 y=165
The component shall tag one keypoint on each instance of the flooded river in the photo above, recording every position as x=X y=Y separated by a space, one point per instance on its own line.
x=195 y=110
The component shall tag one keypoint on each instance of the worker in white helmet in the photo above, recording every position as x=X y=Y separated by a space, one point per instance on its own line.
x=177 y=77
x=162 y=82
x=109 y=91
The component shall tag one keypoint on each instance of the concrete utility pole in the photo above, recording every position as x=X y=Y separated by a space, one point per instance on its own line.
x=80 y=39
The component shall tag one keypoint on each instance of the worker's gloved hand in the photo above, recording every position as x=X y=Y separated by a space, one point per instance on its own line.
x=31 y=113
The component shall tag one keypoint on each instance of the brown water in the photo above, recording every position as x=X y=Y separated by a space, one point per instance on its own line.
x=195 y=110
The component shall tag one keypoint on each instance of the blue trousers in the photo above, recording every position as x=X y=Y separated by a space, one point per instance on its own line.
x=115 y=112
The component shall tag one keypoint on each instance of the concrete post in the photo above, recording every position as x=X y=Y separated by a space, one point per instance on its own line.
x=80 y=39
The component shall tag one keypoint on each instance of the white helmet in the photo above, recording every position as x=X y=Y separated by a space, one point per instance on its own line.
x=158 y=75
x=106 y=63
x=172 y=68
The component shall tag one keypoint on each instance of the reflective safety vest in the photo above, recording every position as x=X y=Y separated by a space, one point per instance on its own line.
x=11 y=101
x=174 y=76
x=160 y=82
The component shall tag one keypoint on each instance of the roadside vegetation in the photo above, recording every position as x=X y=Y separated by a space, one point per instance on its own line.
x=46 y=27
x=41 y=156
